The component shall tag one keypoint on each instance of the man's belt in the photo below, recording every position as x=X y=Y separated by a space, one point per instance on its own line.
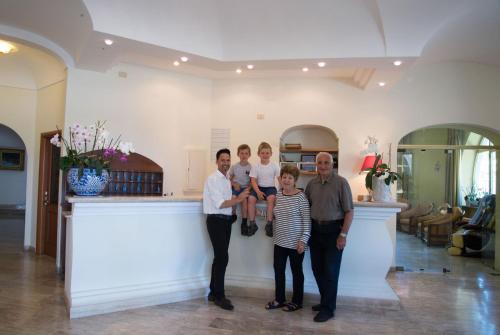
x=220 y=216
x=328 y=222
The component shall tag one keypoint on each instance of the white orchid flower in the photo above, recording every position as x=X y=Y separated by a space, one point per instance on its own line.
x=126 y=147
x=55 y=140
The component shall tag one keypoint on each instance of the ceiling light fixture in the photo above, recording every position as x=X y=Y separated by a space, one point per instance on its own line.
x=238 y=71
x=6 y=47
x=108 y=41
x=381 y=83
x=184 y=59
x=321 y=64
x=176 y=63
x=250 y=66
x=397 y=63
x=305 y=69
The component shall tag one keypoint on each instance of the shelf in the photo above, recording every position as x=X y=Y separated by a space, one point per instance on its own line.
x=308 y=173
x=306 y=150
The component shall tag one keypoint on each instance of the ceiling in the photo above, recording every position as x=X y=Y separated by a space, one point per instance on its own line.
x=357 y=39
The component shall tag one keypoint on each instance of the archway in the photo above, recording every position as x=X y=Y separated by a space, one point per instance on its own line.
x=444 y=166
x=300 y=144
x=13 y=178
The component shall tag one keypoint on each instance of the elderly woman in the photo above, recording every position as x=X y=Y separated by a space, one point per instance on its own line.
x=291 y=231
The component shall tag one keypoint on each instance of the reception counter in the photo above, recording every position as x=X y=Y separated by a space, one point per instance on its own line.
x=129 y=252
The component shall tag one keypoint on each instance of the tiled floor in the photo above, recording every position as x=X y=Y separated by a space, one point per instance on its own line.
x=464 y=301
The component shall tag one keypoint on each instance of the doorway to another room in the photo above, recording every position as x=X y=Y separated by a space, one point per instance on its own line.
x=12 y=191
x=48 y=196
x=448 y=177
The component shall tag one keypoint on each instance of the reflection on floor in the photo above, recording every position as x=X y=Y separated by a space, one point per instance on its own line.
x=465 y=301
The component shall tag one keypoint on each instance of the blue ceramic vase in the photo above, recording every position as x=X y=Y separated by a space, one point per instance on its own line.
x=89 y=183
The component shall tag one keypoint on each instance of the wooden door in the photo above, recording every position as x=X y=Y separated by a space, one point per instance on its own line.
x=48 y=195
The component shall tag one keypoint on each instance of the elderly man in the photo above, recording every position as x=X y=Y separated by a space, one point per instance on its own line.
x=217 y=204
x=331 y=213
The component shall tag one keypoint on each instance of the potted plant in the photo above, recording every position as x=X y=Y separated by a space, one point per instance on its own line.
x=89 y=152
x=378 y=181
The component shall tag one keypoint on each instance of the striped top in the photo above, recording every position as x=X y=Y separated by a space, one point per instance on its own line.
x=292 y=220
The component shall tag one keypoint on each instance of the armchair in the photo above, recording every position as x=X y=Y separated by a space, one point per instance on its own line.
x=437 y=231
x=475 y=236
x=408 y=219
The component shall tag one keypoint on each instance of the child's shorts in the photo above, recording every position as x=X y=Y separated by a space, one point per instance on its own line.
x=236 y=193
x=266 y=190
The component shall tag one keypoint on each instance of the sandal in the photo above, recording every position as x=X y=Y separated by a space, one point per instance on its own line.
x=274 y=304
x=291 y=307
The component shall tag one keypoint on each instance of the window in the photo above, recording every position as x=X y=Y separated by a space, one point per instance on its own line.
x=485 y=170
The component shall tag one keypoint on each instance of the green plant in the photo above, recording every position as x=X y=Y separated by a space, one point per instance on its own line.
x=378 y=171
x=90 y=147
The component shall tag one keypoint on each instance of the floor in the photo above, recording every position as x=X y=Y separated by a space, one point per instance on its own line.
x=463 y=301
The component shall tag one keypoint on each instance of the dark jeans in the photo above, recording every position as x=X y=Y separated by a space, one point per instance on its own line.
x=280 y=256
x=219 y=230
x=325 y=263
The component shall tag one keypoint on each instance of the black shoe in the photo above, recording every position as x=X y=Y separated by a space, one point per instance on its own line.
x=211 y=297
x=234 y=217
x=252 y=229
x=316 y=308
x=224 y=303
x=323 y=316
x=244 y=229
x=269 y=229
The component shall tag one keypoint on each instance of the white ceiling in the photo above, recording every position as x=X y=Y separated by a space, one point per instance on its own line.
x=278 y=36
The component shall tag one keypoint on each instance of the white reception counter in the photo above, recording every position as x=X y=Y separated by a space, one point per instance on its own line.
x=124 y=252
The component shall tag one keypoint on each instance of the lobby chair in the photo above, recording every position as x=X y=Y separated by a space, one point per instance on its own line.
x=476 y=235
x=408 y=219
x=437 y=231
x=442 y=211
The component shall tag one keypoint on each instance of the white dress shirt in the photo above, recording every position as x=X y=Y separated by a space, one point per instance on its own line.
x=217 y=189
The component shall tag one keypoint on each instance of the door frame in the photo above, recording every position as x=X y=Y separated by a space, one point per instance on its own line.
x=43 y=177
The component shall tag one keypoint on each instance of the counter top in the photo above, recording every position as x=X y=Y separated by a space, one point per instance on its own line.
x=195 y=198
x=116 y=199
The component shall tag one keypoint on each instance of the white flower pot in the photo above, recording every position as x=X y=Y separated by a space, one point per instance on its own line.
x=380 y=191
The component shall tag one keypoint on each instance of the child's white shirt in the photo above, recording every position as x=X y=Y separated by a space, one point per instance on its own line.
x=265 y=174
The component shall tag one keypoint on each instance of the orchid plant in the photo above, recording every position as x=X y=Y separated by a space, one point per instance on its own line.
x=380 y=170
x=91 y=147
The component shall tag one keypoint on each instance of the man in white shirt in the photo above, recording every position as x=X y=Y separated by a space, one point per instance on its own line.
x=217 y=203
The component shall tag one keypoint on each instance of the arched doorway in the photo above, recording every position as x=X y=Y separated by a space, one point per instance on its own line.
x=299 y=146
x=443 y=168
x=13 y=179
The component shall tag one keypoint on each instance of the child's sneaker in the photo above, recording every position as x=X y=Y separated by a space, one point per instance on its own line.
x=269 y=229
x=252 y=228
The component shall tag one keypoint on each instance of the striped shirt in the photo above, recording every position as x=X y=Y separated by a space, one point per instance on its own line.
x=292 y=220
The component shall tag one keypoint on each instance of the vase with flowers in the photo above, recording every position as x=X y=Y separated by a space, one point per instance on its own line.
x=378 y=181
x=89 y=152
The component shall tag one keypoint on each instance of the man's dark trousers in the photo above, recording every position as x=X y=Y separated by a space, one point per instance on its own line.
x=219 y=230
x=325 y=261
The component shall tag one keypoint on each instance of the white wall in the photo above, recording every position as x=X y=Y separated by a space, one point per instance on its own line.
x=162 y=113
x=29 y=112
x=12 y=182
x=436 y=94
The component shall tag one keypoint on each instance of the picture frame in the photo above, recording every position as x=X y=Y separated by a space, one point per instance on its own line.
x=11 y=159
x=308 y=159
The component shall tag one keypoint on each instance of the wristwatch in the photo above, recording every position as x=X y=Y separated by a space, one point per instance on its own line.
x=344 y=235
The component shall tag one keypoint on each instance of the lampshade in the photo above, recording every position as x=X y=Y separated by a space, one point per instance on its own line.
x=369 y=161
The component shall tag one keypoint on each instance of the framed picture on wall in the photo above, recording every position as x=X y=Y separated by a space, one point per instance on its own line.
x=11 y=159
x=310 y=161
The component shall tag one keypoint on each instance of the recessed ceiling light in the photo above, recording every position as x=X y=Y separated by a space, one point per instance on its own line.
x=238 y=71
x=176 y=63
x=397 y=63
x=381 y=83
x=321 y=64
x=108 y=41
x=184 y=59
x=305 y=69
x=6 y=47
x=250 y=66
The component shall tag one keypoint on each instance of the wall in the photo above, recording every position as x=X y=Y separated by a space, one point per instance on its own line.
x=162 y=113
x=436 y=94
x=12 y=183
